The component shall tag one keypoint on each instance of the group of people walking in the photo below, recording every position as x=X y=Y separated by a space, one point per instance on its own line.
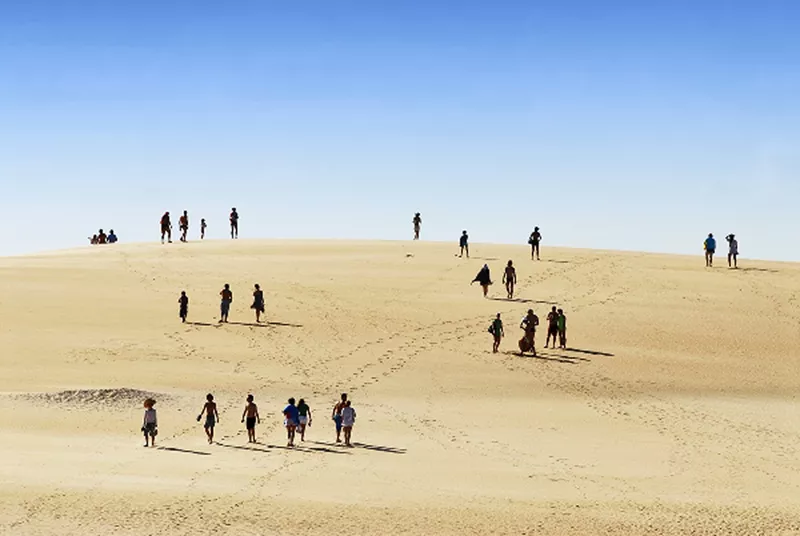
x=297 y=418
x=556 y=331
x=226 y=300
x=710 y=247
x=183 y=226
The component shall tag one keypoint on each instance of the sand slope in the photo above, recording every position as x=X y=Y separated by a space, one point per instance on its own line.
x=674 y=413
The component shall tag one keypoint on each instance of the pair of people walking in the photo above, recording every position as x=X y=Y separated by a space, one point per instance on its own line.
x=710 y=247
x=226 y=300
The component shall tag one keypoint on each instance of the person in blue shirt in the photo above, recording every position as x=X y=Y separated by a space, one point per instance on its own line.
x=291 y=420
x=112 y=238
x=710 y=246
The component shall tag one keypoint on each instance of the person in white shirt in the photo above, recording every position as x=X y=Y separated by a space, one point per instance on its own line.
x=150 y=423
x=348 y=420
x=733 y=250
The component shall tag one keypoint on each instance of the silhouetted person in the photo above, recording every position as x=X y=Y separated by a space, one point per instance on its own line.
x=112 y=238
x=234 y=223
x=496 y=329
x=552 y=327
x=733 y=250
x=484 y=278
x=710 y=245
x=225 y=304
x=183 y=225
x=534 y=240
x=417 y=225
x=166 y=228
x=510 y=279
x=463 y=242
x=258 y=302
x=203 y=228
x=102 y=238
x=529 y=324
x=184 y=306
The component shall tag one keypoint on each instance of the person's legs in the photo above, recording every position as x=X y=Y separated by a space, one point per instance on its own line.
x=146 y=438
x=348 y=430
x=467 y=248
x=338 y=421
x=735 y=260
x=485 y=287
x=153 y=438
x=537 y=252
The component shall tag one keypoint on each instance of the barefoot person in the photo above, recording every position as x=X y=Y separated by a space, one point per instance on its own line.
x=534 y=240
x=258 y=302
x=183 y=225
x=112 y=237
x=337 y=416
x=348 y=421
x=226 y=296
x=166 y=228
x=291 y=420
x=203 y=228
x=212 y=417
x=562 y=329
x=102 y=238
x=234 y=218
x=510 y=279
x=463 y=243
x=484 y=278
x=184 y=306
x=496 y=329
x=733 y=250
x=529 y=324
x=150 y=423
x=552 y=327
x=250 y=417
x=417 y=225
x=710 y=245
x=305 y=418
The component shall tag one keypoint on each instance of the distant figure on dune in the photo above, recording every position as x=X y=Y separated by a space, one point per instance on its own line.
x=534 y=240
x=184 y=306
x=463 y=242
x=733 y=250
x=202 y=228
x=484 y=278
x=250 y=414
x=102 y=238
x=337 y=416
x=166 y=228
x=562 y=329
x=529 y=324
x=552 y=327
x=150 y=423
x=112 y=238
x=234 y=223
x=225 y=304
x=93 y=240
x=496 y=329
x=510 y=279
x=305 y=418
x=258 y=302
x=348 y=421
x=212 y=417
x=417 y=225
x=710 y=245
x=183 y=225
x=291 y=420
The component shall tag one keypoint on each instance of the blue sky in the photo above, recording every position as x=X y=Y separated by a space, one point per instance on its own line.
x=614 y=124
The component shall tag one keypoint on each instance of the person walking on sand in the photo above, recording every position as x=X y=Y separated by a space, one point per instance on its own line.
x=733 y=250
x=203 y=228
x=305 y=418
x=463 y=243
x=212 y=417
x=552 y=327
x=348 y=421
x=250 y=417
x=184 y=306
x=496 y=329
x=258 y=303
x=166 y=228
x=291 y=420
x=234 y=218
x=534 y=240
x=529 y=324
x=150 y=423
x=510 y=279
x=484 y=278
x=417 y=225
x=337 y=416
x=562 y=329
x=710 y=245
x=183 y=225
x=225 y=304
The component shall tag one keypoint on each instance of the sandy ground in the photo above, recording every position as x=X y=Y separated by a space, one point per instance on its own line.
x=673 y=412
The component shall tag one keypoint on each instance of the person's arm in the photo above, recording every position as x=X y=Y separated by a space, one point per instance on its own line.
x=216 y=413
x=309 y=417
x=244 y=413
x=144 y=419
x=258 y=417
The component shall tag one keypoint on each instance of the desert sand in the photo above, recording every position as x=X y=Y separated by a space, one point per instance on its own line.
x=673 y=412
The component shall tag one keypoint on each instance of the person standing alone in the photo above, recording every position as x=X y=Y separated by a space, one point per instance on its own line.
x=417 y=225
x=534 y=240
x=234 y=223
x=733 y=250
x=225 y=304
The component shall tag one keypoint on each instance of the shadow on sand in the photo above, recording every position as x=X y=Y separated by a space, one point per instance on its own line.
x=248 y=324
x=754 y=269
x=589 y=352
x=184 y=451
x=366 y=446
x=205 y=324
x=262 y=447
x=556 y=261
x=481 y=259
x=523 y=300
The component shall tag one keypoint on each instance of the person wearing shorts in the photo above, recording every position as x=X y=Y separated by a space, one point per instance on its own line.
x=250 y=417
x=305 y=418
x=552 y=327
x=710 y=245
x=534 y=240
x=733 y=251
x=234 y=219
x=212 y=417
x=225 y=304
x=166 y=228
x=496 y=329
x=291 y=420
x=562 y=329
x=337 y=416
x=348 y=421
x=150 y=423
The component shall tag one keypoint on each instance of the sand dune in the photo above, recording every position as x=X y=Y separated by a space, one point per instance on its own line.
x=673 y=412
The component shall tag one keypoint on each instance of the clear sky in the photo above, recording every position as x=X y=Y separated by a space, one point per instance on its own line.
x=610 y=124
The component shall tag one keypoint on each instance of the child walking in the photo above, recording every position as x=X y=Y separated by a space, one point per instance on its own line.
x=348 y=420
x=212 y=417
x=251 y=414
x=150 y=423
x=184 y=304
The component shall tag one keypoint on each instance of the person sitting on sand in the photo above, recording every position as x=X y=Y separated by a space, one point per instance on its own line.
x=184 y=306
x=552 y=327
x=93 y=240
x=348 y=421
x=291 y=420
x=250 y=414
x=534 y=240
x=510 y=279
x=562 y=329
x=304 y=413
x=258 y=302
x=710 y=245
x=150 y=423
x=225 y=303
x=484 y=278
x=733 y=250
x=112 y=238
x=496 y=329
x=463 y=243
x=212 y=417
x=166 y=228
x=337 y=417
x=529 y=324
x=102 y=238
x=417 y=224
